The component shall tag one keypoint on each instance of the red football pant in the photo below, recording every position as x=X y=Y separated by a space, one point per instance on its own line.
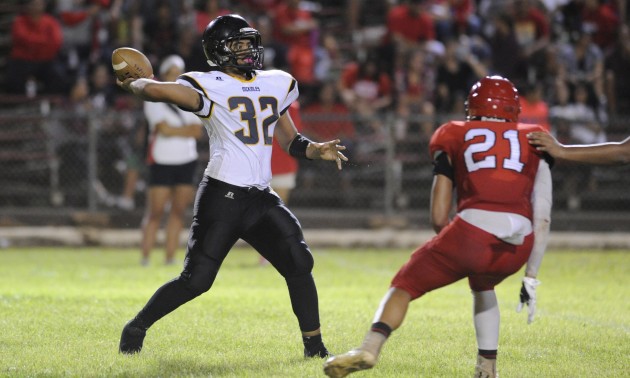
x=461 y=250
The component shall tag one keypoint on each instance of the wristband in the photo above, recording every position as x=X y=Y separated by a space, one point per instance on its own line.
x=298 y=146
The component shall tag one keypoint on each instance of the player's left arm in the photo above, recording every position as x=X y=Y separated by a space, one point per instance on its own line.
x=298 y=145
x=541 y=203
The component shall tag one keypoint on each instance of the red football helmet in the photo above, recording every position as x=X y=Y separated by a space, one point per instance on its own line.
x=495 y=97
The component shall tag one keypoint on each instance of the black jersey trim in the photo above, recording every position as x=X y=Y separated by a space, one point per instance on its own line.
x=293 y=84
x=549 y=159
x=198 y=87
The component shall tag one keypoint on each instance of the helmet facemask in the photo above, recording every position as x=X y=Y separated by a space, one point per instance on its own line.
x=228 y=54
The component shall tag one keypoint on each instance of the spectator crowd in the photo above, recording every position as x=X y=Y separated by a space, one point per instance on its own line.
x=355 y=60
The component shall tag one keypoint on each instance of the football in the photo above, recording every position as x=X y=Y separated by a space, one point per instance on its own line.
x=130 y=63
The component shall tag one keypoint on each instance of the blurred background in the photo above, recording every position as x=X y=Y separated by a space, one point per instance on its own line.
x=379 y=74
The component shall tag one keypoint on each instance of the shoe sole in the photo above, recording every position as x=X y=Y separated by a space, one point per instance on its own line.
x=340 y=366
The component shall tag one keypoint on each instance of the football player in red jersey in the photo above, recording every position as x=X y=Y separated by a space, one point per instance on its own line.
x=612 y=153
x=503 y=191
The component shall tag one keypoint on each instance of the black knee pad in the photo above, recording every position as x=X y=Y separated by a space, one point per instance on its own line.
x=199 y=278
x=302 y=257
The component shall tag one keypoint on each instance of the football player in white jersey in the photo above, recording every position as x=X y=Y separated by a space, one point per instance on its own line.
x=242 y=108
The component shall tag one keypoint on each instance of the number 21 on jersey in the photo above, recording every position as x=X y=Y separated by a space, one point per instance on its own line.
x=490 y=140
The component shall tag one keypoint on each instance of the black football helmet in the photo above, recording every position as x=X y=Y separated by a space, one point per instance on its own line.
x=225 y=29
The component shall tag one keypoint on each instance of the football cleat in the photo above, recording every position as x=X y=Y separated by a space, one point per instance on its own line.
x=486 y=368
x=344 y=364
x=131 y=339
x=319 y=351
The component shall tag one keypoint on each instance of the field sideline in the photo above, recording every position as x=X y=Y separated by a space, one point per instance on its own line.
x=62 y=309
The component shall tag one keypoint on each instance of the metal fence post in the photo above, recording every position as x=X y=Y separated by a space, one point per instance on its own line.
x=390 y=153
x=92 y=163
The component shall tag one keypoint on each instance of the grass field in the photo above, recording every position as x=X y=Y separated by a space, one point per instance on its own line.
x=62 y=310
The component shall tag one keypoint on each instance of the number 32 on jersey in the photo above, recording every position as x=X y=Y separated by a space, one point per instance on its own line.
x=250 y=134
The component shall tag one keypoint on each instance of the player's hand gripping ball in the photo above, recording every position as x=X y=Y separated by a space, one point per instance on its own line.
x=131 y=63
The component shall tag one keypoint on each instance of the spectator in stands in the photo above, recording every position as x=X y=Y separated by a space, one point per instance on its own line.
x=161 y=28
x=367 y=90
x=581 y=61
x=534 y=108
x=297 y=28
x=601 y=19
x=328 y=117
x=83 y=31
x=532 y=31
x=33 y=64
x=275 y=51
x=457 y=70
x=505 y=54
x=172 y=159
x=409 y=25
x=618 y=75
x=189 y=48
x=414 y=83
x=367 y=22
x=206 y=11
x=452 y=18
x=325 y=117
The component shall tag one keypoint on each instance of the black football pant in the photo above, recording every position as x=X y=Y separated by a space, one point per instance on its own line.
x=222 y=214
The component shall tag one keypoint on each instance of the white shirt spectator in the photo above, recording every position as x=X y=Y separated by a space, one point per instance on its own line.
x=170 y=150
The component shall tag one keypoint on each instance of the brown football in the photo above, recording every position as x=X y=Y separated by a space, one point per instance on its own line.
x=130 y=63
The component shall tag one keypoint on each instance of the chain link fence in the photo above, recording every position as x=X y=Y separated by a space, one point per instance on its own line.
x=56 y=162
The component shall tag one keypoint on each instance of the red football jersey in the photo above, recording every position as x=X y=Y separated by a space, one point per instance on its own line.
x=493 y=163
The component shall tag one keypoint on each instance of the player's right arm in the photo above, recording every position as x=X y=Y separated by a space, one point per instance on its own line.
x=441 y=192
x=156 y=91
x=602 y=153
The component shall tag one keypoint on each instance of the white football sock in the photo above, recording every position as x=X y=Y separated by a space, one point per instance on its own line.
x=486 y=317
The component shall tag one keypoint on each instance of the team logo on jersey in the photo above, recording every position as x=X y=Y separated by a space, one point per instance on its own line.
x=229 y=195
x=219 y=78
x=250 y=89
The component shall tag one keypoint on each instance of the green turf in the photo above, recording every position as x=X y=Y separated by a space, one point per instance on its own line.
x=62 y=310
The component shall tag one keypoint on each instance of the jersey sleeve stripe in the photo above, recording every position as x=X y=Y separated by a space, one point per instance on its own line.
x=284 y=110
x=199 y=88
x=293 y=84
x=194 y=84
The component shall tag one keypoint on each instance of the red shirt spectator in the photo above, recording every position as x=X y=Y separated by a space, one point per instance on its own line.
x=35 y=36
x=461 y=11
x=366 y=84
x=603 y=21
x=530 y=24
x=294 y=27
x=534 y=112
x=36 y=39
x=328 y=119
x=209 y=10
x=410 y=23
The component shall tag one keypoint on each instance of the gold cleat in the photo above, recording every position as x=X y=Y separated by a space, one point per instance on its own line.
x=344 y=364
x=486 y=368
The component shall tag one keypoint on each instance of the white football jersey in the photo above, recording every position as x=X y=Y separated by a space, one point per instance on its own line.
x=240 y=117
